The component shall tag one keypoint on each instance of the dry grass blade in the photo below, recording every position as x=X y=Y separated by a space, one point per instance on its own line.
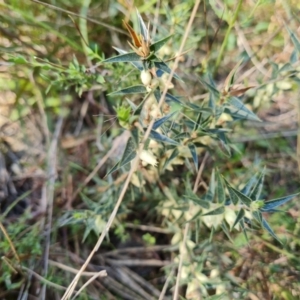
x=137 y=250
x=13 y=249
x=122 y=276
x=99 y=274
x=120 y=289
x=80 y=16
x=165 y=287
x=51 y=174
x=141 y=281
x=138 y=262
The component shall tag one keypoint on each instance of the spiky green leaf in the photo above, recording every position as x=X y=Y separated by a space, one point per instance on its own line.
x=270 y=230
x=218 y=211
x=233 y=197
x=173 y=155
x=128 y=155
x=194 y=154
x=162 y=120
x=220 y=188
x=239 y=217
x=212 y=90
x=131 y=104
x=162 y=138
x=294 y=39
x=164 y=67
x=142 y=26
x=256 y=192
x=246 y=190
x=236 y=108
x=210 y=194
x=197 y=201
x=244 y=199
x=157 y=45
x=258 y=216
x=136 y=64
x=127 y=57
x=271 y=204
x=171 y=98
x=135 y=89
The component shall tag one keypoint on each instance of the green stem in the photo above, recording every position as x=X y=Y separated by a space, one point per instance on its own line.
x=232 y=22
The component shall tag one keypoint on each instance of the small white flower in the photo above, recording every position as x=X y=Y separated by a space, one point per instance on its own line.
x=148 y=158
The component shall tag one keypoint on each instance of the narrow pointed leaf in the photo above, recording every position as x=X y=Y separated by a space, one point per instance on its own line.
x=258 y=216
x=226 y=231
x=218 y=211
x=237 y=108
x=249 y=185
x=157 y=94
x=136 y=64
x=171 y=98
x=162 y=120
x=140 y=106
x=242 y=224
x=294 y=39
x=224 y=143
x=256 y=192
x=246 y=200
x=229 y=79
x=129 y=152
x=198 y=121
x=157 y=45
x=136 y=89
x=294 y=57
x=193 y=151
x=173 y=155
x=210 y=194
x=271 y=204
x=163 y=66
x=239 y=217
x=135 y=136
x=113 y=169
x=197 y=201
x=128 y=57
x=162 y=138
x=270 y=230
x=143 y=27
x=215 y=93
x=197 y=108
x=220 y=188
x=233 y=197
x=196 y=216
x=132 y=105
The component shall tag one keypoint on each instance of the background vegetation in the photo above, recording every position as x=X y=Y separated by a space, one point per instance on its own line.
x=62 y=132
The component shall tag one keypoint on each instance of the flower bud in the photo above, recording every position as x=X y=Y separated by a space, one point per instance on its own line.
x=146 y=77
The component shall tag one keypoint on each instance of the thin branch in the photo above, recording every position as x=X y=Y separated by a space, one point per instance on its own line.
x=164 y=290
